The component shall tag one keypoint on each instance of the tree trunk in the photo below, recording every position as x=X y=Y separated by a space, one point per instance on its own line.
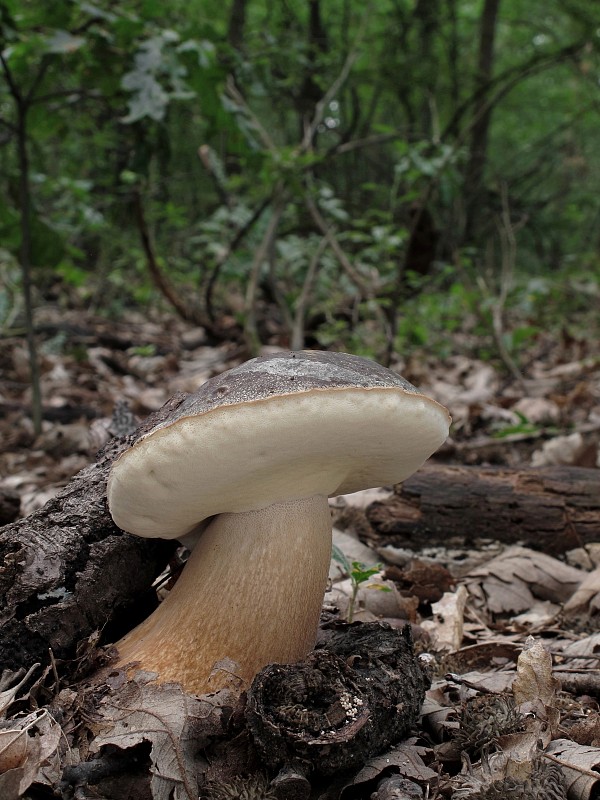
x=237 y=24
x=553 y=509
x=67 y=571
x=482 y=117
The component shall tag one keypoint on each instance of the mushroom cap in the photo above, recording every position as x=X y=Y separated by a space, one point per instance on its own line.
x=276 y=428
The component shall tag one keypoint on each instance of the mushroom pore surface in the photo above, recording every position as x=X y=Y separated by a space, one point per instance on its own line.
x=276 y=428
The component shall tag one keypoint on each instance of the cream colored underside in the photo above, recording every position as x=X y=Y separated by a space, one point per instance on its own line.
x=245 y=457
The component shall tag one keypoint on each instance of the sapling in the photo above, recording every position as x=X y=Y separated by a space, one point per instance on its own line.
x=359 y=574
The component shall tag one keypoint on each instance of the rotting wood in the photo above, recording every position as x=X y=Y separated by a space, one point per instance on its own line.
x=553 y=509
x=67 y=571
x=344 y=703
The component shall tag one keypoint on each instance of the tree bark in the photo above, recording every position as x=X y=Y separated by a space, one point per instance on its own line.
x=67 y=571
x=237 y=24
x=482 y=117
x=553 y=509
x=348 y=700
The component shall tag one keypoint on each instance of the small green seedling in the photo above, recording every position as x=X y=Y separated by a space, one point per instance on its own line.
x=359 y=574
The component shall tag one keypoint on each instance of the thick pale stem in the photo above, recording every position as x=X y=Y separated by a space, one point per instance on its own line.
x=251 y=592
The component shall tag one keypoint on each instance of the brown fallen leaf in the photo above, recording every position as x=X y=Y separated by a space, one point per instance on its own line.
x=535 y=689
x=534 y=681
x=501 y=777
x=405 y=759
x=511 y=582
x=446 y=625
x=29 y=753
x=583 y=653
x=10 y=684
x=579 y=765
x=176 y=724
x=586 y=597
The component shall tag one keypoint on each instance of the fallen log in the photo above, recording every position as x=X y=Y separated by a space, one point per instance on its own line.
x=553 y=509
x=66 y=571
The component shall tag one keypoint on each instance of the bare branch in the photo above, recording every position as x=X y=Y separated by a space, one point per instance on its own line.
x=297 y=339
x=321 y=106
x=239 y=98
x=13 y=88
x=227 y=252
x=250 y=324
x=161 y=282
x=359 y=281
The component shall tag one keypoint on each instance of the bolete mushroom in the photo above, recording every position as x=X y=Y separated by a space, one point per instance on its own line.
x=256 y=452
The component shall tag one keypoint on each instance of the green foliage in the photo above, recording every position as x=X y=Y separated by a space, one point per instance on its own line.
x=359 y=574
x=522 y=427
x=120 y=97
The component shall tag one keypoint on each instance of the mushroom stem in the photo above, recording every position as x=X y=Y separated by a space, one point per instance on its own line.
x=251 y=592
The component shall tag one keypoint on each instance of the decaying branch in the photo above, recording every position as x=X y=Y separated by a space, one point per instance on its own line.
x=66 y=571
x=553 y=509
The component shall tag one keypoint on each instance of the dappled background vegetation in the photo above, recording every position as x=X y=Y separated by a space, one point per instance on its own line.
x=367 y=176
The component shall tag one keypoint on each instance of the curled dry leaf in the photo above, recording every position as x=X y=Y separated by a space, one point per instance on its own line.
x=579 y=765
x=406 y=759
x=447 y=623
x=176 y=724
x=29 y=753
x=581 y=654
x=10 y=683
x=511 y=582
x=535 y=689
x=534 y=679
x=587 y=596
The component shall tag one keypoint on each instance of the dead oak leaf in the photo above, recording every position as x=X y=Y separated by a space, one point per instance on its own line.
x=511 y=582
x=29 y=753
x=405 y=759
x=580 y=766
x=535 y=689
x=176 y=724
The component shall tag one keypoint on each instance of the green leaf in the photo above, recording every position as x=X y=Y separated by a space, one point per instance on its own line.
x=339 y=556
x=360 y=573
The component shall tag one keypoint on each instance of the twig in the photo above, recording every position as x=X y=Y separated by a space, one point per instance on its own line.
x=250 y=324
x=365 y=289
x=321 y=106
x=341 y=256
x=571 y=765
x=212 y=166
x=161 y=282
x=226 y=253
x=508 y=246
x=323 y=103
x=298 y=328
x=239 y=98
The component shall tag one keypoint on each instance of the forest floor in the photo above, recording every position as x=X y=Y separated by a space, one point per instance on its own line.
x=477 y=619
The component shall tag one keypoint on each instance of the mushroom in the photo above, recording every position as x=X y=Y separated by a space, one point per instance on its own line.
x=246 y=465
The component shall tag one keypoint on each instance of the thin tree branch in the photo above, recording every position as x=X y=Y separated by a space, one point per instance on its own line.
x=161 y=282
x=239 y=98
x=355 y=276
x=226 y=253
x=44 y=64
x=359 y=281
x=321 y=106
x=508 y=244
x=79 y=94
x=13 y=88
x=508 y=79
x=250 y=323
x=298 y=325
